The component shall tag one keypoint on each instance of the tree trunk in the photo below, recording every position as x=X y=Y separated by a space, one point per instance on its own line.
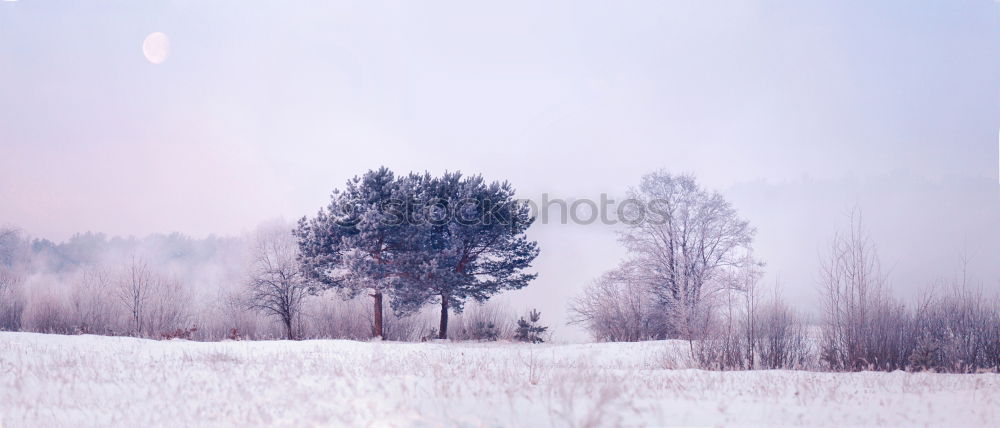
x=443 y=330
x=378 y=315
x=288 y=328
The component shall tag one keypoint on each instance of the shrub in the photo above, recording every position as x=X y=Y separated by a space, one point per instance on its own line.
x=180 y=333
x=11 y=300
x=47 y=312
x=781 y=338
x=619 y=307
x=485 y=331
x=483 y=322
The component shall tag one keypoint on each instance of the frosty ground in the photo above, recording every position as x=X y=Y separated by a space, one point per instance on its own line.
x=52 y=380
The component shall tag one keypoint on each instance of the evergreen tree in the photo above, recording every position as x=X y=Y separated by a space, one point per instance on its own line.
x=473 y=243
x=419 y=238
x=361 y=241
x=529 y=330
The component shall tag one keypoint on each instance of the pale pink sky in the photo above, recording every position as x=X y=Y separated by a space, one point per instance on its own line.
x=796 y=110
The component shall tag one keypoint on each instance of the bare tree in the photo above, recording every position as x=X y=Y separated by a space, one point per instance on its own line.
x=46 y=310
x=747 y=281
x=618 y=307
x=12 y=302
x=167 y=309
x=134 y=288
x=721 y=343
x=849 y=277
x=864 y=327
x=958 y=330
x=277 y=285
x=684 y=238
x=91 y=301
x=780 y=338
x=9 y=288
x=237 y=320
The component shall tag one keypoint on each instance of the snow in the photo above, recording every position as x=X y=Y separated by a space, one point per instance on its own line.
x=50 y=380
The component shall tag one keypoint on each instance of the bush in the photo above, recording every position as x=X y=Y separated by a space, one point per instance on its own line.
x=954 y=333
x=47 y=312
x=619 y=307
x=485 y=331
x=483 y=322
x=11 y=300
x=782 y=342
x=957 y=333
x=180 y=333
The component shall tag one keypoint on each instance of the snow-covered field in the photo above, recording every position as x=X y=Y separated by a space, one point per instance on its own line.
x=49 y=380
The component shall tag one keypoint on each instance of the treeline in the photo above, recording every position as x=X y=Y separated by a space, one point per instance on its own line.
x=412 y=241
x=84 y=285
x=692 y=276
x=198 y=289
x=401 y=258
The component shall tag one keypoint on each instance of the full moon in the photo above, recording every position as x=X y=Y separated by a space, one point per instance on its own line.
x=156 y=47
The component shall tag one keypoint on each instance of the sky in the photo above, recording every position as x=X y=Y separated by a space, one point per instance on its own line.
x=798 y=112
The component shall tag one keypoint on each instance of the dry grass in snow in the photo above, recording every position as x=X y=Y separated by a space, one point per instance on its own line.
x=49 y=380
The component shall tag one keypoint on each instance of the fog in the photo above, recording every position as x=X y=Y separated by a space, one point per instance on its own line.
x=797 y=113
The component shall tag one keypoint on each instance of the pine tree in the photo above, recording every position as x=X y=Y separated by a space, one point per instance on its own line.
x=362 y=240
x=419 y=238
x=529 y=330
x=473 y=241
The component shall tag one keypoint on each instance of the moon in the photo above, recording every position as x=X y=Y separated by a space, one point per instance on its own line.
x=156 y=47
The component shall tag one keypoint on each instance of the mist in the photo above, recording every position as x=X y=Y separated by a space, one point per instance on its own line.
x=797 y=113
x=450 y=213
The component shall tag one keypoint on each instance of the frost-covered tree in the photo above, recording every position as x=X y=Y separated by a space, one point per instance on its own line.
x=92 y=301
x=154 y=302
x=362 y=240
x=13 y=263
x=619 y=307
x=135 y=285
x=864 y=326
x=419 y=238
x=11 y=300
x=276 y=283
x=473 y=244
x=684 y=239
x=10 y=244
